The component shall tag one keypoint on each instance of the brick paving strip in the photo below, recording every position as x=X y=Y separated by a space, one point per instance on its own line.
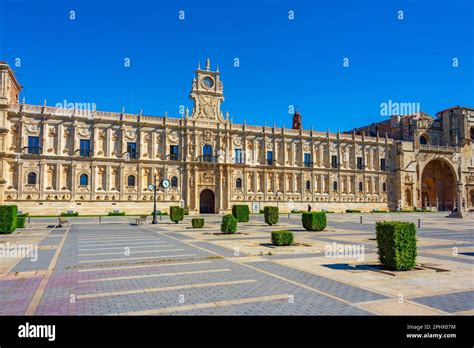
x=35 y=301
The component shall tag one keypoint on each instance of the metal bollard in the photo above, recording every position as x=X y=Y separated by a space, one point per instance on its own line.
x=419 y=223
x=360 y=219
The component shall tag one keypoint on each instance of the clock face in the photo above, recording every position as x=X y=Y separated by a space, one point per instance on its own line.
x=165 y=183
x=208 y=82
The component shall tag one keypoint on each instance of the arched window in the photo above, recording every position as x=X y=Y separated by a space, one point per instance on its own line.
x=238 y=183
x=174 y=181
x=361 y=186
x=32 y=178
x=423 y=140
x=308 y=185
x=384 y=187
x=84 y=180
x=131 y=180
x=334 y=186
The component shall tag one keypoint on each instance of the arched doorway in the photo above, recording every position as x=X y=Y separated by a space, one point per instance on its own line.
x=408 y=202
x=207 y=202
x=438 y=185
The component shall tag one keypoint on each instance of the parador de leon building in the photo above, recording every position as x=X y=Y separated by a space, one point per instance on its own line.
x=94 y=162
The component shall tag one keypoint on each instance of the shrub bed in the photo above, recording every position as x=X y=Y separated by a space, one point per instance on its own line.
x=353 y=211
x=396 y=244
x=271 y=215
x=197 y=222
x=117 y=213
x=176 y=214
x=314 y=221
x=241 y=212
x=21 y=220
x=282 y=238
x=68 y=214
x=8 y=218
x=229 y=224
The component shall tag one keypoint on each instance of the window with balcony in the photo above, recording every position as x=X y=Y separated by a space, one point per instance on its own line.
x=334 y=163
x=270 y=160
x=307 y=160
x=239 y=158
x=173 y=152
x=132 y=150
x=31 y=180
x=33 y=145
x=360 y=163
x=85 y=148
x=83 y=180
x=207 y=153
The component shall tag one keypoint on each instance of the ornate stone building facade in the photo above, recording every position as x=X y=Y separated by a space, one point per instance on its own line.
x=54 y=160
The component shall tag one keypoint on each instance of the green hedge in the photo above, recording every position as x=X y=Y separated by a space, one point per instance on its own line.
x=117 y=213
x=314 y=221
x=271 y=215
x=176 y=214
x=241 y=212
x=70 y=214
x=282 y=238
x=396 y=244
x=229 y=224
x=20 y=221
x=353 y=211
x=197 y=222
x=8 y=218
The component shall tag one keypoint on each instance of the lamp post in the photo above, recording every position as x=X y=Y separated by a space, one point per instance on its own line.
x=155 y=221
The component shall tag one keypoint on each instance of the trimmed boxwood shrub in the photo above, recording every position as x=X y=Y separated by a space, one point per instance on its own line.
x=21 y=221
x=8 y=218
x=117 y=213
x=241 y=212
x=282 y=238
x=70 y=214
x=229 y=224
x=353 y=211
x=396 y=244
x=197 y=222
x=176 y=214
x=314 y=221
x=271 y=215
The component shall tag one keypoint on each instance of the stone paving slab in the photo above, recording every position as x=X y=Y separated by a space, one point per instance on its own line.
x=43 y=262
x=348 y=292
x=16 y=294
x=454 y=302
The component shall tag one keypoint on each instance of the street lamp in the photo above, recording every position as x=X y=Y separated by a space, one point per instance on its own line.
x=153 y=187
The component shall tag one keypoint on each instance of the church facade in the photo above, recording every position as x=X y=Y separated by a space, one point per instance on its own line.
x=54 y=160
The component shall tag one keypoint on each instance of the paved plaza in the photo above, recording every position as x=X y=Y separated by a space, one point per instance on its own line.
x=118 y=268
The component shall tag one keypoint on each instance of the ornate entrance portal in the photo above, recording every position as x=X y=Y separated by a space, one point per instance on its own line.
x=438 y=186
x=207 y=202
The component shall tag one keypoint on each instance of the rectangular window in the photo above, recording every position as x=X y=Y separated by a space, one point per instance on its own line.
x=334 y=163
x=307 y=160
x=33 y=145
x=173 y=152
x=382 y=164
x=270 y=157
x=238 y=156
x=360 y=164
x=85 y=148
x=132 y=150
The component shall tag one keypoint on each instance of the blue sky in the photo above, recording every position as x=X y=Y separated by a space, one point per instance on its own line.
x=282 y=62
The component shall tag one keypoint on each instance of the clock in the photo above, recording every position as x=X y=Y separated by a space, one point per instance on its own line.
x=151 y=187
x=207 y=82
x=165 y=183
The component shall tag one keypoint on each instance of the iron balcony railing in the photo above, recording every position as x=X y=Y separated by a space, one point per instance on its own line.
x=207 y=158
x=85 y=153
x=174 y=157
x=33 y=150
x=308 y=164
